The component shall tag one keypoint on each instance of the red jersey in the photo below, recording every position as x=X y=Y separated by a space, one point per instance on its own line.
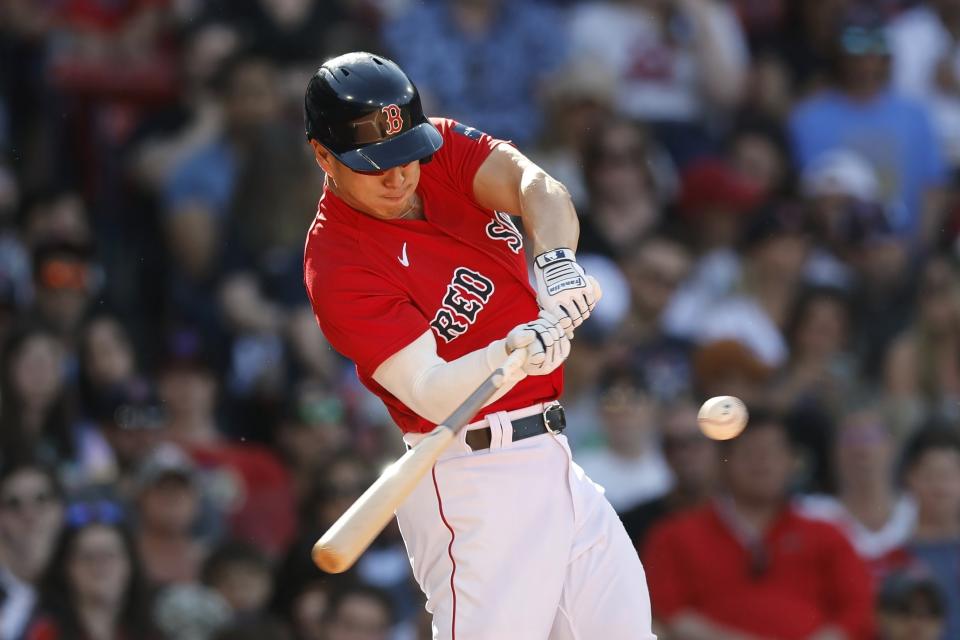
x=812 y=576
x=377 y=285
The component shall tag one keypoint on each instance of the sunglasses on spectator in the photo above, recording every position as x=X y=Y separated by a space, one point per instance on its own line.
x=65 y=274
x=859 y=41
x=82 y=514
x=18 y=504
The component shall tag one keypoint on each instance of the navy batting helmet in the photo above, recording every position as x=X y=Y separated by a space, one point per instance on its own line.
x=367 y=112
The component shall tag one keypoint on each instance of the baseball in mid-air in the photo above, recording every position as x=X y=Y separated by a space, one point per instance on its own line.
x=722 y=417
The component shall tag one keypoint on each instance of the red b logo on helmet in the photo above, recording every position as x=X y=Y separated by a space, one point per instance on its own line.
x=394 y=118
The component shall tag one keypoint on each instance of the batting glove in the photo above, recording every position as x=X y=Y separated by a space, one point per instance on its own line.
x=546 y=343
x=564 y=289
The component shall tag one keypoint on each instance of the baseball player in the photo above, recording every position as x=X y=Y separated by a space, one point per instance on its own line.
x=417 y=274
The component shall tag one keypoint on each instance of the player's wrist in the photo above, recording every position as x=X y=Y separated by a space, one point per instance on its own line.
x=559 y=254
x=495 y=352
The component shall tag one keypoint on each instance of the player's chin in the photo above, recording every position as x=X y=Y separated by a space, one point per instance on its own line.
x=390 y=207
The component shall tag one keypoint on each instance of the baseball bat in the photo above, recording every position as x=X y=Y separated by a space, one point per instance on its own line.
x=352 y=533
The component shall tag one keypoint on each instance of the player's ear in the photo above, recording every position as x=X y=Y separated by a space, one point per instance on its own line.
x=322 y=155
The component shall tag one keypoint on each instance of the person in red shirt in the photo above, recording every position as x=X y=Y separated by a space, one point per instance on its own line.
x=748 y=565
x=416 y=272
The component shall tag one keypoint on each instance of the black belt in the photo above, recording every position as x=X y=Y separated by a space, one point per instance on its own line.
x=552 y=420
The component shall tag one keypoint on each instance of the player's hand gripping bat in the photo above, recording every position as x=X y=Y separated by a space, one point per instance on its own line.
x=352 y=533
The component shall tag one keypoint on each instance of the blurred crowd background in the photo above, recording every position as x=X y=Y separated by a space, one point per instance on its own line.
x=769 y=195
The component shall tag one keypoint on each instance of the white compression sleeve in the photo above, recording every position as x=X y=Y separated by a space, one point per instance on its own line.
x=433 y=387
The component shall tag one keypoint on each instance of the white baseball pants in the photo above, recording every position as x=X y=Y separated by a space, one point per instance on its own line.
x=516 y=543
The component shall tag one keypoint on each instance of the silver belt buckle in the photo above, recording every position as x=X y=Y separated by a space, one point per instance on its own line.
x=546 y=420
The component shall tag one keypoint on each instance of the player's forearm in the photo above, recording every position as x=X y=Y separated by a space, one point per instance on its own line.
x=549 y=217
x=433 y=387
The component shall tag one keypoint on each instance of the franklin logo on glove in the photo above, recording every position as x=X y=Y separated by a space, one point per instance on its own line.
x=564 y=289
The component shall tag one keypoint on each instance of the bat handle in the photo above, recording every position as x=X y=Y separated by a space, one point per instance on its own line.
x=510 y=367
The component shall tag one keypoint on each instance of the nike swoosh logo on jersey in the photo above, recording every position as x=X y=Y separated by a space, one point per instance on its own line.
x=403 y=259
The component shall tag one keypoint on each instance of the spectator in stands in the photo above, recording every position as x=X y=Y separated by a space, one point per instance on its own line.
x=861 y=114
x=65 y=280
x=758 y=148
x=677 y=63
x=309 y=610
x=457 y=51
x=254 y=491
x=875 y=516
x=93 y=587
x=807 y=46
x=654 y=272
x=107 y=359
x=190 y=612
x=577 y=98
x=931 y=471
x=36 y=415
x=299 y=31
x=241 y=574
x=921 y=371
x=820 y=373
x=168 y=510
x=39 y=420
x=303 y=591
x=716 y=201
x=730 y=368
x=31 y=515
x=335 y=487
x=884 y=298
x=774 y=245
x=693 y=461
x=164 y=138
x=308 y=353
x=842 y=191
x=313 y=431
x=910 y=606
x=926 y=65
x=199 y=194
x=55 y=214
x=749 y=563
x=619 y=177
x=629 y=465
x=131 y=419
x=359 y=613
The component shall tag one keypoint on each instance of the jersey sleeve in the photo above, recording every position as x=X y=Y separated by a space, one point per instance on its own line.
x=361 y=315
x=464 y=151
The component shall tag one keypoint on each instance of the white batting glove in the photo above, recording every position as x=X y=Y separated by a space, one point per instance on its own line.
x=564 y=289
x=546 y=343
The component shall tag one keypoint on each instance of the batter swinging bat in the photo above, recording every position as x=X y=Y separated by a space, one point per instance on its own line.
x=352 y=533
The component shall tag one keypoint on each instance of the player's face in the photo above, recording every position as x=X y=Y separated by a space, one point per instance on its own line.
x=386 y=194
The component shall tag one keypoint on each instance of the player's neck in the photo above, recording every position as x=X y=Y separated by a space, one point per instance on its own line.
x=415 y=211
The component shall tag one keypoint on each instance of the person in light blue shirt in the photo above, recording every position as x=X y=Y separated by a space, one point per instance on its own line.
x=481 y=61
x=863 y=114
